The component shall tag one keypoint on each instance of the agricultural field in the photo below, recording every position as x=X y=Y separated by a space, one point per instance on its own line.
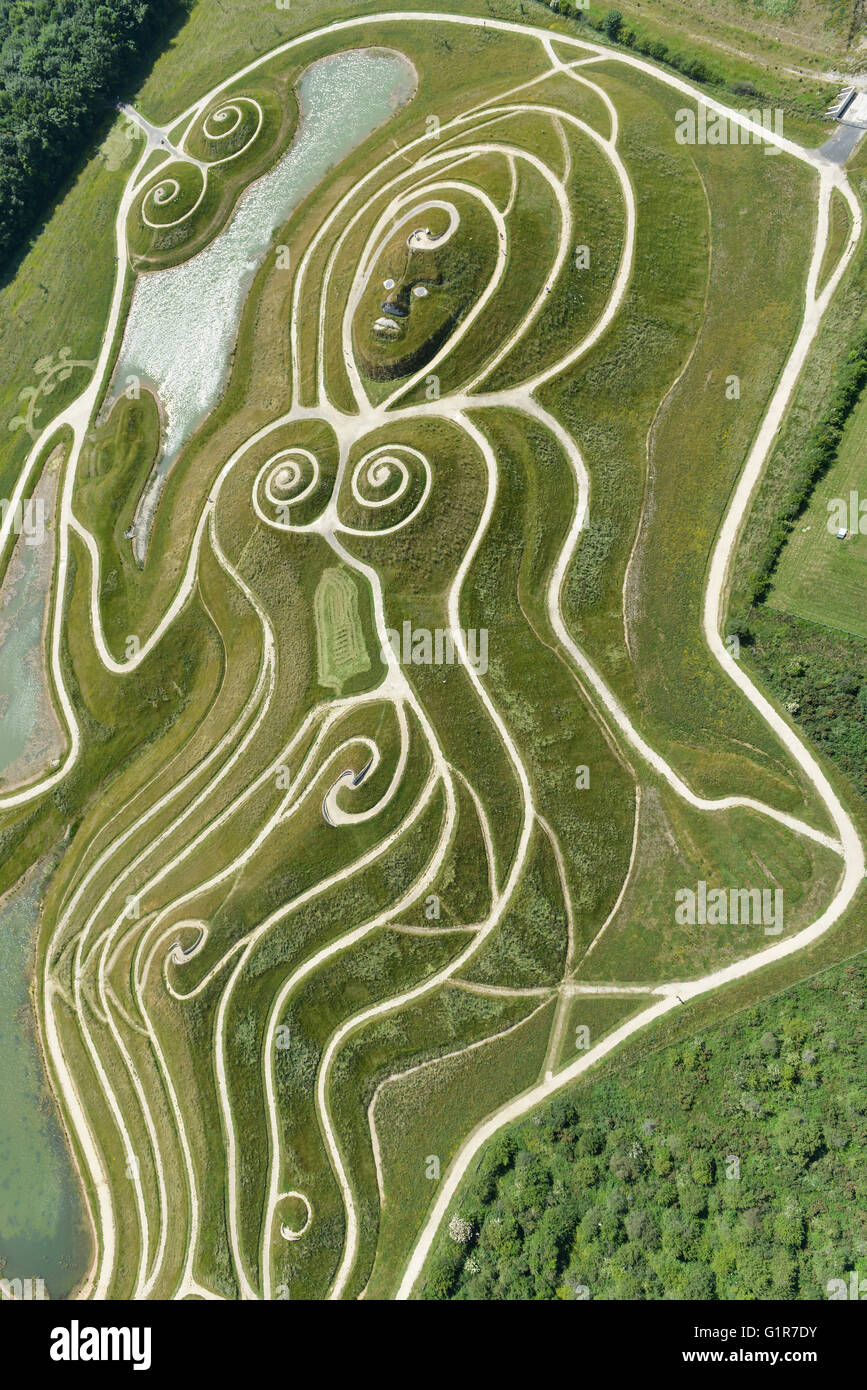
x=408 y=767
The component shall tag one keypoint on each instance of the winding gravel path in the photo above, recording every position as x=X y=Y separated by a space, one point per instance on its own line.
x=846 y=841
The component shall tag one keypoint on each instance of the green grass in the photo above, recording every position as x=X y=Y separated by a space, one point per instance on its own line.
x=528 y=946
x=543 y=707
x=820 y=577
x=341 y=651
x=698 y=440
x=598 y=1015
x=839 y=230
x=465 y=1087
x=59 y=298
x=677 y=847
x=452 y=276
x=700 y=212
x=115 y=465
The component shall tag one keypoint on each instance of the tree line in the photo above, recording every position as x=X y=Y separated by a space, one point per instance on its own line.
x=62 y=64
x=820 y=451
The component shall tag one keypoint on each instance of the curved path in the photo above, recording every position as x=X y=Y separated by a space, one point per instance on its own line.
x=438 y=168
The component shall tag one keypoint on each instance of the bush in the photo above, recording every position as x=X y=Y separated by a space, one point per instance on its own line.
x=770 y=1044
x=711 y=1234
x=612 y=24
x=800 y=1139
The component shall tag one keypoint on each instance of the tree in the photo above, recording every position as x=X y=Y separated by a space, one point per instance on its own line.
x=461 y=1230
x=444 y=1275
x=699 y=1283
x=641 y=1229
x=533 y=1182
x=625 y=1165
x=693 y=1199
x=789 y=1229
x=799 y=1138
x=549 y=1244
x=612 y=24
x=703 y=1169
x=503 y=1235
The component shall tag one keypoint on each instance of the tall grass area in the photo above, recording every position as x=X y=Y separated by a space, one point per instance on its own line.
x=664 y=443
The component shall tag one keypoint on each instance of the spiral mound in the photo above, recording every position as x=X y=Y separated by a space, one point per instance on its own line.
x=393 y=482
x=285 y=480
x=225 y=120
x=168 y=192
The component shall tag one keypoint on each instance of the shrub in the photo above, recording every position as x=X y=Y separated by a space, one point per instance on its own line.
x=612 y=24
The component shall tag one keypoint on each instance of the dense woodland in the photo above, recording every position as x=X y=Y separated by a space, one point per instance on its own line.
x=727 y=1167
x=62 y=65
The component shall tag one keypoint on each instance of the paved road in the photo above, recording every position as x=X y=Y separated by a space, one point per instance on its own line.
x=842 y=144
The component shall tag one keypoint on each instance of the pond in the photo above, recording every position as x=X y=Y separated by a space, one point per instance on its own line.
x=183 y=321
x=42 y=1220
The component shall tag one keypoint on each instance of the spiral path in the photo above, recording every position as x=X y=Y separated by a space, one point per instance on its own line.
x=364 y=786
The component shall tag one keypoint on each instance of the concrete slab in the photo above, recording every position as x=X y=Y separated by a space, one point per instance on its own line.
x=856 y=111
x=841 y=144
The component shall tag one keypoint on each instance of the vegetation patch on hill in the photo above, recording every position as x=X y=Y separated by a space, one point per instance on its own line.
x=726 y=1167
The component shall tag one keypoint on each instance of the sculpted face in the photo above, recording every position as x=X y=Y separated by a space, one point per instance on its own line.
x=421 y=286
x=403 y=289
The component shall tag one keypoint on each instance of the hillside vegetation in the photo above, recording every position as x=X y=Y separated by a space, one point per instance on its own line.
x=727 y=1167
x=61 y=66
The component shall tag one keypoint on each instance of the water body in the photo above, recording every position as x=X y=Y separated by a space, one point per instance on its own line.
x=42 y=1220
x=183 y=321
x=30 y=735
x=179 y=338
